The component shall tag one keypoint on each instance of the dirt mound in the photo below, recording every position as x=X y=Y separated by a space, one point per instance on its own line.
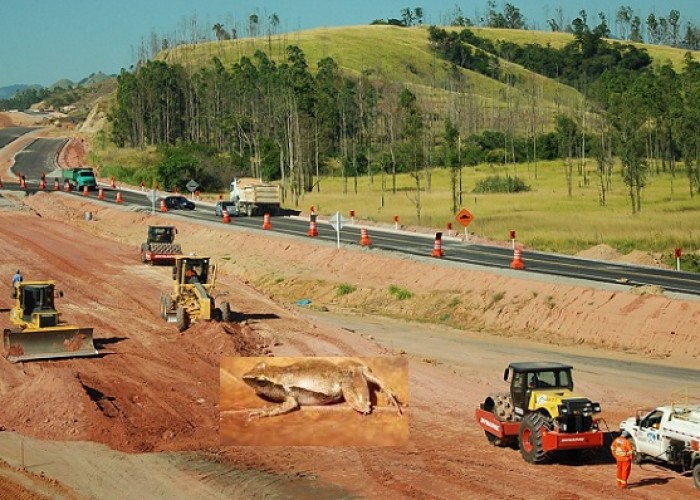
x=51 y=403
x=600 y=252
x=74 y=153
x=606 y=252
x=6 y=120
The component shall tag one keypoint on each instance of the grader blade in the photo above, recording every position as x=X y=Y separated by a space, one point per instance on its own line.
x=48 y=343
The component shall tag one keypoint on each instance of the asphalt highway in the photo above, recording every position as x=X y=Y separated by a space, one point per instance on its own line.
x=40 y=157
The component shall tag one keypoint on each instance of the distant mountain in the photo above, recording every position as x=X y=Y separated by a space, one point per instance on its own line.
x=64 y=83
x=11 y=90
x=95 y=78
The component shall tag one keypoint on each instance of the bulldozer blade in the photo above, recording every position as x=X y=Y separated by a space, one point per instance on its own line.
x=28 y=345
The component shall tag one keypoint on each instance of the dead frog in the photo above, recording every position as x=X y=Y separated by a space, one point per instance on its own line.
x=314 y=382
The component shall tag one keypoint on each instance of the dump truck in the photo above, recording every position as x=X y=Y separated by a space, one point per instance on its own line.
x=191 y=300
x=80 y=178
x=38 y=332
x=540 y=415
x=160 y=247
x=253 y=197
x=668 y=435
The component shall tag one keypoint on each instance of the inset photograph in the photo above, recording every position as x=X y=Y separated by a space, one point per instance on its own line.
x=314 y=401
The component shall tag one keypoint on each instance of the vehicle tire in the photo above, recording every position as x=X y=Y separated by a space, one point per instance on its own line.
x=496 y=441
x=530 y=437
x=637 y=458
x=182 y=319
x=166 y=305
x=217 y=315
x=696 y=475
x=225 y=312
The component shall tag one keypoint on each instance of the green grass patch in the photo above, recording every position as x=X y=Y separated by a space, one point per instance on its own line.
x=454 y=302
x=400 y=293
x=345 y=289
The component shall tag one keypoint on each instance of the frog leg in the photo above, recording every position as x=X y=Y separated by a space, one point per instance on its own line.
x=356 y=392
x=369 y=376
x=289 y=404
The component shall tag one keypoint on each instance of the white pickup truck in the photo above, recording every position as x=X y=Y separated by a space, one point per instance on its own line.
x=668 y=434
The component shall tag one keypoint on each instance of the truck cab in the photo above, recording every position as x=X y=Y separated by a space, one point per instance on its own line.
x=80 y=178
x=667 y=434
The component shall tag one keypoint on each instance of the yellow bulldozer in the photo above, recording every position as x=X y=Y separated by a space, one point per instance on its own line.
x=38 y=332
x=191 y=300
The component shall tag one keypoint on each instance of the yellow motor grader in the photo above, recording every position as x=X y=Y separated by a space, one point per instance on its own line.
x=191 y=300
x=38 y=332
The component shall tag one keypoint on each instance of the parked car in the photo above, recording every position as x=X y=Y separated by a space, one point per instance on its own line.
x=178 y=203
x=228 y=205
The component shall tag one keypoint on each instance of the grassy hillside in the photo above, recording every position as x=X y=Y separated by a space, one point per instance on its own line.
x=402 y=56
x=389 y=54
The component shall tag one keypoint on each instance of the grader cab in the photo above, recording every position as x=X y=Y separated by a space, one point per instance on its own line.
x=191 y=299
x=38 y=332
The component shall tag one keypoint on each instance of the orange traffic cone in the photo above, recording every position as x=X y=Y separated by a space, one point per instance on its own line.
x=85 y=191
x=266 y=222
x=312 y=228
x=101 y=194
x=225 y=216
x=42 y=184
x=517 y=262
x=119 y=197
x=56 y=185
x=23 y=182
x=66 y=187
x=364 y=238
x=437 y=247
x=163 y=208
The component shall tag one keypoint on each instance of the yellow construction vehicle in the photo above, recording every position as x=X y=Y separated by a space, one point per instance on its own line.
x=38 y=332
x=194 y=278
x=541 y=414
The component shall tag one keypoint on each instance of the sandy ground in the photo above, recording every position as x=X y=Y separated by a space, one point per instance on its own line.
x=152 y=397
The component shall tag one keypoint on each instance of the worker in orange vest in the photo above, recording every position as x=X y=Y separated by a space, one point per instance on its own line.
x=623 y=452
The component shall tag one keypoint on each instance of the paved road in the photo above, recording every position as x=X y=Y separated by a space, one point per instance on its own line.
x=7 y=135
x=465 y=352
x=41 y=153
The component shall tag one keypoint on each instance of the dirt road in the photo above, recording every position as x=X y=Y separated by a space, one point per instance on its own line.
x=154 y=392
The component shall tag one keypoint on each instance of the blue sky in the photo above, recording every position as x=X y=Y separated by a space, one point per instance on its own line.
x=45 y=40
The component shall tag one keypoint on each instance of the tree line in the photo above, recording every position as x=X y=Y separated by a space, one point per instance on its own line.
x=651 y=28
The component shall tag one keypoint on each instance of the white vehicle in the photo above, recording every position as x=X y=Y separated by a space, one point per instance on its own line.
x=668 y=434
x=253 y=197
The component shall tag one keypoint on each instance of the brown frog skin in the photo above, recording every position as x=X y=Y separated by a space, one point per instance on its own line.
x=314 y=382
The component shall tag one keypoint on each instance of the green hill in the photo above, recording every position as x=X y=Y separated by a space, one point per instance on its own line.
x=394 y=55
